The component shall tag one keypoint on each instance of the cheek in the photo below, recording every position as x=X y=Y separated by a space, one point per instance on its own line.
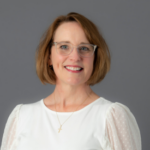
x=58 y=62
x=91 y=68
x=56 y=59
x=90 y=63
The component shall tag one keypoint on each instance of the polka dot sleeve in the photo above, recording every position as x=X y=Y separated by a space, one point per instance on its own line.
x=9 y=141
x=122 y=129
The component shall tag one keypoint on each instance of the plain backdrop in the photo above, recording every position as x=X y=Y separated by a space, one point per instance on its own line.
x=125 y=25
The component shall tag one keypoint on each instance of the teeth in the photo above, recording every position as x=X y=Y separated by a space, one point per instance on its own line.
x=73 y=68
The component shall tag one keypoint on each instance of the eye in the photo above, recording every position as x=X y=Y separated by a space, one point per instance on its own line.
x=64 y=47
x=83 y=48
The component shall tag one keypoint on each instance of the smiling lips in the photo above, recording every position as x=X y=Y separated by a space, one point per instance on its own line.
x=74 y=69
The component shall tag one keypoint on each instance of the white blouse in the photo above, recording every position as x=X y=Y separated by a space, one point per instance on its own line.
x=101 y=125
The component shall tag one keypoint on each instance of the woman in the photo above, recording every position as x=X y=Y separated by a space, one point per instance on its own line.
x=72 y=55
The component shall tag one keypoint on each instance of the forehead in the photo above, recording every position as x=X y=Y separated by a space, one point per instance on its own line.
x=70 y=31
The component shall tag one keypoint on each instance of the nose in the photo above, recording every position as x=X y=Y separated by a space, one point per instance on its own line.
x=74 y=55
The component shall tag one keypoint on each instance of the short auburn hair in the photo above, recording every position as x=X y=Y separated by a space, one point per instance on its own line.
x=102 y=58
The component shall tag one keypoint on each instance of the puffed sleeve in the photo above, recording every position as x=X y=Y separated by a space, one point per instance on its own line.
x=9 y=141
x=122 y=129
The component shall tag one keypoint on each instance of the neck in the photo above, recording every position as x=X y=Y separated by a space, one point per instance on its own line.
x=66 y=96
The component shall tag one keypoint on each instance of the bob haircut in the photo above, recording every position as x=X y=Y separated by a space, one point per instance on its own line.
x=102 y=58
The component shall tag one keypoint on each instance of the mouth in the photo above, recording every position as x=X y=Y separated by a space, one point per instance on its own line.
x=74 y=69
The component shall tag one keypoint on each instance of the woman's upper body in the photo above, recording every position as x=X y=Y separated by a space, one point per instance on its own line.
x=72 y=55
x=101 y=125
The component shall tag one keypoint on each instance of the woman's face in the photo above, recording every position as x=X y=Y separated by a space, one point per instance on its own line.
x=73 y=33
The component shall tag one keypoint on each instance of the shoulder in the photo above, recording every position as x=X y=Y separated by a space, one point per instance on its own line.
x=119 y=112
x=103 y=104
x=15 y=110
x=116 y=113
x=100 y=108
x=31 y=106
x=27 y=113
x=110 y=107
x=118 y=108
x=29 y=109
x=24 y=109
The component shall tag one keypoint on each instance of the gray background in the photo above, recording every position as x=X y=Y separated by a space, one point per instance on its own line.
x=125 y=26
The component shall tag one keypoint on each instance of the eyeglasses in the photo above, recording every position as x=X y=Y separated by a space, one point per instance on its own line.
x=85 y=50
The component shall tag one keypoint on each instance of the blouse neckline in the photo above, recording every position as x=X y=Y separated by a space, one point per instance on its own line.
x=67 y=113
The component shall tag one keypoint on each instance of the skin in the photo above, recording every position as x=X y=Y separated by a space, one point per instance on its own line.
x=70 y=90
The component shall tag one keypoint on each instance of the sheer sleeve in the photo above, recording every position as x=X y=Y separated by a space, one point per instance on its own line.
x=10 y=132
x=122 y=129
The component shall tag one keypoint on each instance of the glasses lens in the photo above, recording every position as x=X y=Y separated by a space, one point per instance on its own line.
x=86 y=50
x=63 y=48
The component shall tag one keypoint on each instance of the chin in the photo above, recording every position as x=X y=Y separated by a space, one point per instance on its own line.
x=75 y=82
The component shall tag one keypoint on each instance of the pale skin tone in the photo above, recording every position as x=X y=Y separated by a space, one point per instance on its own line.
x=70 y=90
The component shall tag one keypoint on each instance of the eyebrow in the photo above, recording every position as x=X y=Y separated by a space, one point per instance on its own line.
x=69 y=42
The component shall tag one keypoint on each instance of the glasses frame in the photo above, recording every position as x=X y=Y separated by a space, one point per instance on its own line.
x=55 y=43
